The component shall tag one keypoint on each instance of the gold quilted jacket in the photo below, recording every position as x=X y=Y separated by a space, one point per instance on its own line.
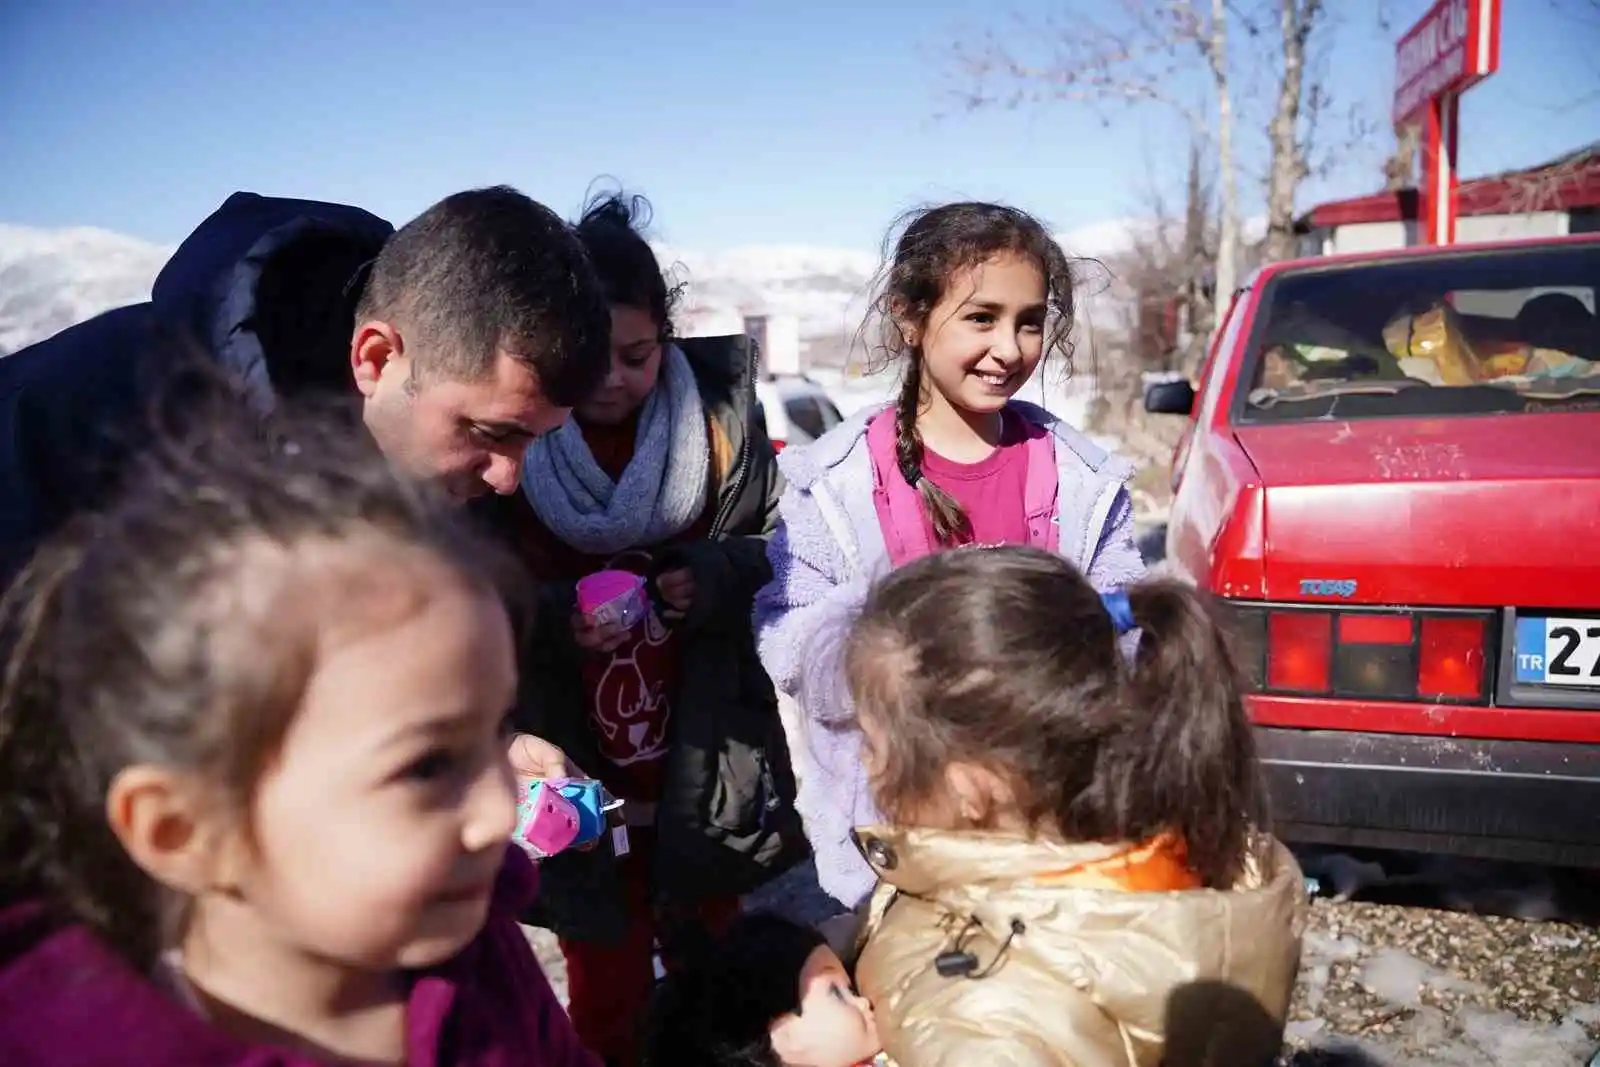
x=997 y=950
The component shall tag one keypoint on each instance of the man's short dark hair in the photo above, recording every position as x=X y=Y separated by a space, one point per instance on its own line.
x=492 y=269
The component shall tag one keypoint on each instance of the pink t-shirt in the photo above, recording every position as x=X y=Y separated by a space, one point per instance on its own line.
x=993 y=490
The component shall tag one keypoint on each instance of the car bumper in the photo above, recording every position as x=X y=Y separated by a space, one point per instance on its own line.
x=1527 y=801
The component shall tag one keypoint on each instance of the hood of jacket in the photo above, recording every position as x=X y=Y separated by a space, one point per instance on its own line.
x=268 y=286
x=68 y=1000
x=1117 y=962
x=725 y=372
x=805 y=465
x=839 y=464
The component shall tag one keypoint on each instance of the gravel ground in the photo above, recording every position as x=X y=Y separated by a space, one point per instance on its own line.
x=1413 y=984
x=549 y=953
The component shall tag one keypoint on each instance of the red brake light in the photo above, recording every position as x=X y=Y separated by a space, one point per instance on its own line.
x=1399 y=654
x=777 y=446
x=1451 y=663
x=1374 y=629
x=1299 y=651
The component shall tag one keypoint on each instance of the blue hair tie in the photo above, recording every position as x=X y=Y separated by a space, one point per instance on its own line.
x=1120 y=610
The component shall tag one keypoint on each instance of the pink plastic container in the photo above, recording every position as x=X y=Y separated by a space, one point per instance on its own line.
x=547 y=822
x=613 y=596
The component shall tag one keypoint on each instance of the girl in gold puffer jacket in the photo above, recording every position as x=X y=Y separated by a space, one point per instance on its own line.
x=1074 y=875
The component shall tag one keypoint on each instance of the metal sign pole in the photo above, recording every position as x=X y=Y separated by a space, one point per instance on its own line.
x=1450 y=49
x=1440 y=183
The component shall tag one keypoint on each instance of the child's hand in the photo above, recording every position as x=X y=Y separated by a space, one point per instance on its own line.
x=677 y=589
x=534 y=757
x=597 y=637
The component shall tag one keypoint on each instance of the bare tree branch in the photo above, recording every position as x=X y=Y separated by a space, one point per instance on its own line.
x=1213 y=43
x=1297 y=19
x=1546 y=189
x=1125 y=54
x=1400 y=169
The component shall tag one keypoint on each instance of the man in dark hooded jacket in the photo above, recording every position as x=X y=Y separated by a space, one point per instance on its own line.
x=463 y=336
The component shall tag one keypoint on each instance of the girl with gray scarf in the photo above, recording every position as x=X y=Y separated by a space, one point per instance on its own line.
x=665 y=471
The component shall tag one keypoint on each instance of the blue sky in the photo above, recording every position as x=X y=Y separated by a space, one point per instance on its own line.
x=746 y=122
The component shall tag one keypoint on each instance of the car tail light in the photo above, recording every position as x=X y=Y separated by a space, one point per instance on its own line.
x=1453 y=654
x=777 y=446
x=1299 y=651
x=1250 y=645
x=1367 y=653
x=1376 y=656
x=1375 y=629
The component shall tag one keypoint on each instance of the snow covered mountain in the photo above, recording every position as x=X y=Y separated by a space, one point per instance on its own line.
x=50 y=279
x=825 y=289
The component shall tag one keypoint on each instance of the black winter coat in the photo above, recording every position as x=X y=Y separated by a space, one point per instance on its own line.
x=264 y=287
x=725 y=822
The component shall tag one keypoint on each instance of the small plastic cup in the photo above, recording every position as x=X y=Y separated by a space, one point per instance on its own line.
x=547 y=821
x=613 y=596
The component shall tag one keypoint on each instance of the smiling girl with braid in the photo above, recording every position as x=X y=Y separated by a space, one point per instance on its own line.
x=976 y=296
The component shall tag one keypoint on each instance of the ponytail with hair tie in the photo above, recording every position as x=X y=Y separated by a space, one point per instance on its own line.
x=1189 y=765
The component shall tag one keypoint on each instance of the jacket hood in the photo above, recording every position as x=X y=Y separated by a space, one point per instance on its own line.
x=804 y=465
x=268 y=287
x=724 y=366
x=68 y=1000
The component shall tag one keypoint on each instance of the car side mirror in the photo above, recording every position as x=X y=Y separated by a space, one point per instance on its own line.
x=1169 y=398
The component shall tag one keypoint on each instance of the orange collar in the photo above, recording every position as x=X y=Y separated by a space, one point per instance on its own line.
x=1157 y=866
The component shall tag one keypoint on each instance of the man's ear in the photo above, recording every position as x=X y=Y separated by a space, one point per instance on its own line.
x=166 y=826
x=376 y=348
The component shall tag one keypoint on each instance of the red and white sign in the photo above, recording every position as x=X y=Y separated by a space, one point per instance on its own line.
x=1452 y=47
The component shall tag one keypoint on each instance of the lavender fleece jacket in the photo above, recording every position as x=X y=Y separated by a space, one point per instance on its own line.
x=826 y=552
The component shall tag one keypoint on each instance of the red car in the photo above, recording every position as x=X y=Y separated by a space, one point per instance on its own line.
x=1391 y=475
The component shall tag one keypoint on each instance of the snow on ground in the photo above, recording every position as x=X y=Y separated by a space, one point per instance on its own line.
x=1413 y=986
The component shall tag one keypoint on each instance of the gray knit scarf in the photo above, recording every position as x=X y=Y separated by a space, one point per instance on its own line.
x=662 y=491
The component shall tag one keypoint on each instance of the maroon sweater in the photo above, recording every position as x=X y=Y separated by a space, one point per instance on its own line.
x=68 y=1001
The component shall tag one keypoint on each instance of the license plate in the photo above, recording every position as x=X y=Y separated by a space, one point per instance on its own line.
x=1558 y=651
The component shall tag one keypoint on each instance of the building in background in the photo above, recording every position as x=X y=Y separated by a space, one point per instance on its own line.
x=778 y=337
x=1555 y=198
x=702 y=320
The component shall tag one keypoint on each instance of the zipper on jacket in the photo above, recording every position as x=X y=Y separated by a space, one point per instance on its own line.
x=769 y=786
x=1099 y=519
x=741 y=466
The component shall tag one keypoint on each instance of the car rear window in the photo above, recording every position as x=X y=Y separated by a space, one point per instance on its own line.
x=1512 y=330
